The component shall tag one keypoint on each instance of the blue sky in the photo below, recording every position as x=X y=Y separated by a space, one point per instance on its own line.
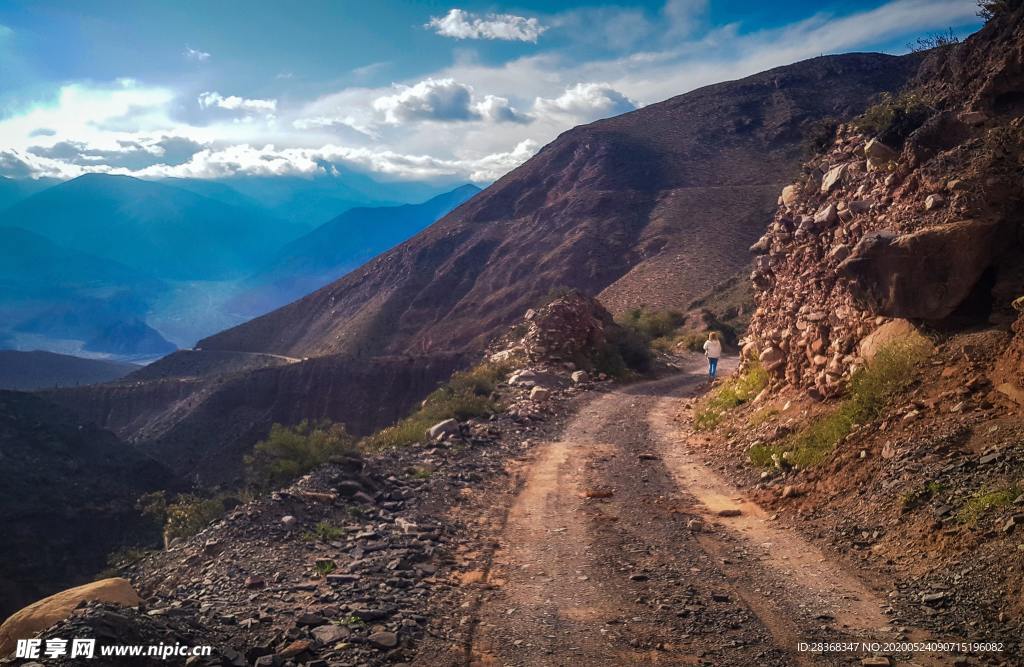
x=400 y=90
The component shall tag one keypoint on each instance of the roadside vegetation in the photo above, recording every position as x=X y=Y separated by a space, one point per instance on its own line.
x=289 y=452
x=732 y=393
x=987 y=499
x=870 y=390
x=894 y=117
x=186 y=514
x=466 y=395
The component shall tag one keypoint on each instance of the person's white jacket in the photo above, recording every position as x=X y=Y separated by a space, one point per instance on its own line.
x=712 y=349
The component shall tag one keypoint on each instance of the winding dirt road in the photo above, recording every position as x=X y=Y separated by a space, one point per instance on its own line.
x=622 y=547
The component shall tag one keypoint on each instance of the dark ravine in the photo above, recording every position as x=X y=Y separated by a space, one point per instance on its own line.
x=68 y=493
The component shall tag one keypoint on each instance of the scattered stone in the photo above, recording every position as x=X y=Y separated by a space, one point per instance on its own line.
x=579 y=377
x=446 y=427
x=540 y=394
x=331 y=634
x=296 y=648
x=730 y=512
x=383 y=640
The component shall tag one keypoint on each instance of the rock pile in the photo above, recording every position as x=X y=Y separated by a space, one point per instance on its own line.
x=571 y=329
x=869 y=235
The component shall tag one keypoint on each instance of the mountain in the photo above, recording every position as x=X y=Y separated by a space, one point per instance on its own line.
x=13 y=190
x=311 y=201
x=49 y=290
x=43 y=370
x=68 y=492
x=339 y=246
x=652 y=207
x=166 y=231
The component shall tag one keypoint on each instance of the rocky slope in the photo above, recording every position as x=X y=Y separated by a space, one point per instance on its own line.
x=649 y=207
x=909 y=232
x=68 y=493
x=927 y=231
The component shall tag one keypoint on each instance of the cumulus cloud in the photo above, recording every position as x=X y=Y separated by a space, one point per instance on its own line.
x=499 y=110
x=125 y=153
x=195 y=55
x=585 y=101
x=460 y=24
x=444 y=100
x=269 y=160
x=214 y=99
x=430 y=99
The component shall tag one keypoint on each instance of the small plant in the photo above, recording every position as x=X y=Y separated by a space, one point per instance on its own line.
x=325 y=531
x=933 y=41
x=325 y=566
x=870 y=390
x=651 y=324
x=466 y=395
x=189 y=514
x=291 y=451
x=916 y=497
x=732 y=393
x=353 y=621
x=762 y=416
x=987 y=499
x=894 y=117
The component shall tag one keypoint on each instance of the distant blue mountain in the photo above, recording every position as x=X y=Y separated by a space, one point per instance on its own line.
x=339 y=246
x=165 y=231
x=14 y=190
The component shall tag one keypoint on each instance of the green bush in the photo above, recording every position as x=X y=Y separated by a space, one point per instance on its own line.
x=894 y=117
x=651 y=324
x=325 y=531
x=291 y=451
x=819 y=136
x=871 y=388
x=466 y=395
x=734 y=392
x=987 y=499
x=189 y=514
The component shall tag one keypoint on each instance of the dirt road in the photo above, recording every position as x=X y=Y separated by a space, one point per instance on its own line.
x=621 y=548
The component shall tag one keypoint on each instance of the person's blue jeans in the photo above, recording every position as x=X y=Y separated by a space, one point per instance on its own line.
x=712 y=367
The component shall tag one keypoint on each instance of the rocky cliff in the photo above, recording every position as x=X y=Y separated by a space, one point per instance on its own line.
x=912 y=213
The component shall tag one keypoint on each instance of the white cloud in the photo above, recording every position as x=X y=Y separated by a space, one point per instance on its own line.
x=586 y=101
x=430 y=99
x=444 y=100
x=210 y=100
x=461 y=24
x=498 y=110
x=272 y=161
x=195 y=55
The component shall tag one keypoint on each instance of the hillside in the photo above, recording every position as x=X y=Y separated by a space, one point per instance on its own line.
x=13 y=190
x=651 y=207
x=339 y=246
x=151 y=227
x=42 y=370
x=68 y=493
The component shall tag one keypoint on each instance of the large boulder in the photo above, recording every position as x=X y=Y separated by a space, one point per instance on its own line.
x=40 y=615
x=888 y=334
x=924 y=275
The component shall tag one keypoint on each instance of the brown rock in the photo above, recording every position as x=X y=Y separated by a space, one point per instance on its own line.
x=924 y=275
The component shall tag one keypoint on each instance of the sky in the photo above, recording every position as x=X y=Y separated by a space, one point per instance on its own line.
x=425 y=91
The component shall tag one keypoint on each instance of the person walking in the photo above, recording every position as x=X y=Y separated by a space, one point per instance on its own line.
x=712 y=350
